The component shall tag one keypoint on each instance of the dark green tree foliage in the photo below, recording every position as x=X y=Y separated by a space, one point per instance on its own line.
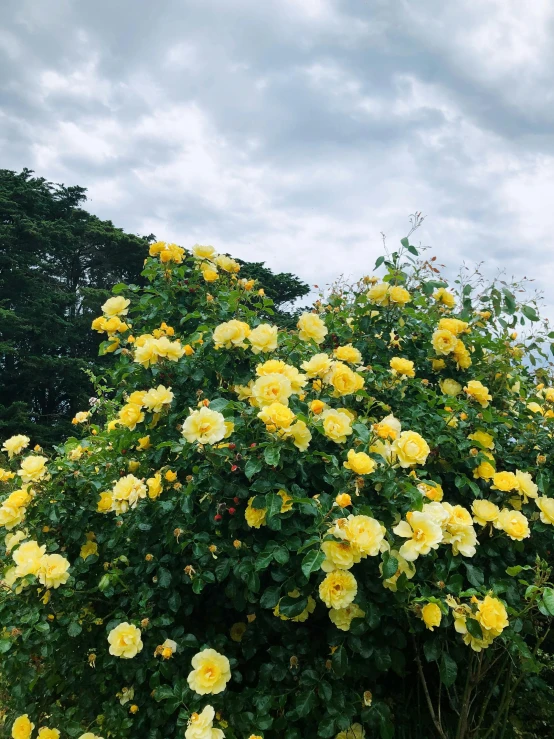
x=56 y=263
x=283 y=288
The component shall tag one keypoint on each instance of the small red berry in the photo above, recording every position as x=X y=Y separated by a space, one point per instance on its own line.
x=232 y=511
x=236 y=499
x=253 y=445
x=218 y=517
x=123 y=451
x=234 y=468
x=232 y=446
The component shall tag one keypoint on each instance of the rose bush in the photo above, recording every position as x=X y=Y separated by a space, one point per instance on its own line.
x=340 y=530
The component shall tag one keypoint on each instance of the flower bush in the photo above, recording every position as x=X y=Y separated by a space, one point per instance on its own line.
x=338 y=530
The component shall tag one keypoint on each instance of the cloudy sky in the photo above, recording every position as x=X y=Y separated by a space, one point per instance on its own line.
x=295 y=131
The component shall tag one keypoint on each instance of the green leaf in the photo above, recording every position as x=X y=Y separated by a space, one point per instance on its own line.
x=74 y=629
x=474 y=628
x=272 y=454
x=411 y=248
x=164 y=577
x=548 y=600
x=432 y=650
x=252 y=466
x=305 y=702
x=474 y=575
x=405 y=242
x=326 y=727
x=5 y=645
x=529 y=312
x=273 y=503
x=448 y=670
x=379 y=262
x=362 y=431
x=390 y=565
x=513 y=571
x=292 y=607
x=270 y=598
x=312 y=562
x=339 y=661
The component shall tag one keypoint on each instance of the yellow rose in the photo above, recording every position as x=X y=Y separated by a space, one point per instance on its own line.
x=278 y=367
x=433 y=492
x=277 y=414
x=317 y=406
x=45 y=733
x=438 y=364
x=271 y=388
x=485 y=470
x=454 y=325
x=339 y=555
x=443 y=296
x=478 y=392
x=114 y=325
x=33 y=469
x=170 y=476
x=11 y=515
x=200 y=725
x=90 y=735
x=356 y=731
x=461 y=355
x=118 y=306
x=484 y=512
x=366 y=533
x=431 y=615
x=53 y=570
x=403 y=367
x=343 y=379
x=209 y=274
x=126 y=493
x=171 y=350
x=99 y=324
x=336 y=425
x=125 y=641
x=349 y=354
x=130 y=415
x=255 y=517
x=359 y=462
x=343 y=617
x=80 y=417
x=6 y=475
x=230 y=334
x=338 y=589
x=105 y=503
x=227 y=264
x=343 y=500
x=398 y=295
x=546 y=507
x=505 y=481
x=311 y=328
x=204 y=426
x=411 y=449
x=13 y=540
x=379 y=294
x=156 y=398
x=300 y=435
x=28 y=558
x=155 y=487
x=203 y=251
x=513 y=523
x=88 y=550
x=211 y=672
x=482 y=438
x=535 y=408
x=423 y=534
x=22 y=727
x=492 y=616
x=450 y=387
x=263 y=338
x=443 y=341
x=389 y=428
x=526 y=487
x=317 y=366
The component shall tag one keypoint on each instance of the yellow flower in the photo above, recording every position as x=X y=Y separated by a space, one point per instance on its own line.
x=125 y=641
x=230 y=334
x=156 y=398
x=366 y=533
x=88 y=549
x=389 y=428
x=33 y=469
x=338 y=589
x=200 y=726
x=143 y=443
x=431 y=615
x=80 y=417
x=189 y=351
x=45 y=733
x=356 y=731
x=484 y=511
x=443 y=296
x=171 y=350
x=114 y=325
x=348 y=353
x=311 y=327
x=438 y=364
x=359 y=462
x=53 y=570
x=343 y=617
x=492 y=616
x=450 y=387
x=263 y=338
x=398 y=295
x=505 y=481
x=118 y=306
x=317 y=406
x=255 y=517
x=546 y=507
x=276 y=366
x=237 y=631
x=170 y=476
x=526 y=487
x=461 y=355
x=422 y=532
x=300 y=435
x=454 y=325
x=127 y=492
x=339 y=555
x=28 y=558
x=130 y=415
x=204 y=426
x=89 y=735
x=343 y=379
x=403 y=367
x=22 y=727
x=513 y=523
x=478 y=392
x=482 y=438
x=277 y=414
x=271 y=388
x=317 y=366
x=105 y=503
x=411 y=449
x=535 y=408
x=209 y=274
x=443 y=341
x=226 y=263
x=433 y=492
x=155 y=487
x=203 y=251
x=11 y=515
x=343 y=500
x=336 y=425
x=485 y=470
x=6 y=475
x=379 y=294
x=211 y=672
x=13 y=540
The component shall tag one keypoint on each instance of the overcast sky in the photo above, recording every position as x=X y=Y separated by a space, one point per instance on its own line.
x=295 y=131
